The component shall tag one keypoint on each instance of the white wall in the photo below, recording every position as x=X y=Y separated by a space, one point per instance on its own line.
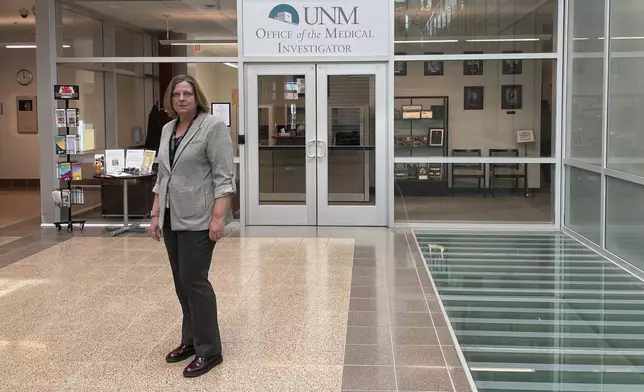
x=19 y=154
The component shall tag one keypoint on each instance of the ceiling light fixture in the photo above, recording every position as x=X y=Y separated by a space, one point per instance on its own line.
x=503 y=40
x=433 y=41
x=27 y=46
x=190 y=42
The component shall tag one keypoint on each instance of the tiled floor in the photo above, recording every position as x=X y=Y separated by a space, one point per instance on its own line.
x=328 y=310
x=18 y=204
x=539 y=312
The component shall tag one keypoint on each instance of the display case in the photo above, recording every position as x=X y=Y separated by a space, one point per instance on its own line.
x=421 y=130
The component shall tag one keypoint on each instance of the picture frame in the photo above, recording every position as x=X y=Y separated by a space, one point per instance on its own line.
x=511 y=97
x=400 y=67
x=221 y=110
x=525 y=136
x=473 y=98
x=436 y=137
x=434 y=67
x=512 y=66
x=473 y=67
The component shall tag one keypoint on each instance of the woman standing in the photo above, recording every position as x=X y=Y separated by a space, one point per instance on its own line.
x=195 y=183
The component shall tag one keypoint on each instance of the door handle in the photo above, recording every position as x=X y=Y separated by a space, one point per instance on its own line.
x=323 y=149
x=308 y=144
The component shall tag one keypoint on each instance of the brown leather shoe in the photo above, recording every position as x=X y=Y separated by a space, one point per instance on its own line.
x=180 y=353
x=202 y=365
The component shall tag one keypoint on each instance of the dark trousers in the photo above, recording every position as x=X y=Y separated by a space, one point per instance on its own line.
x=190 y=254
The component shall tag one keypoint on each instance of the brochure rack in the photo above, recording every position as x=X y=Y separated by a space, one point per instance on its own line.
x=67 y=93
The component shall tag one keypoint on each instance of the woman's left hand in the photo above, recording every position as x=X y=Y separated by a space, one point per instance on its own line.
x=216 y=229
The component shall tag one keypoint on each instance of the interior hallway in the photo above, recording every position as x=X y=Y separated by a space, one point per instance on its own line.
x=300 y=310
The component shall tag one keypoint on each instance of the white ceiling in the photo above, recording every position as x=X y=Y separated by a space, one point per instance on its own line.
x=12 y=26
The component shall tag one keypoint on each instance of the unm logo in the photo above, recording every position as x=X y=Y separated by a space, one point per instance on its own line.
x=285 y=13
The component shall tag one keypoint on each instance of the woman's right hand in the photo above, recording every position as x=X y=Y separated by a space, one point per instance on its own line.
x=154 y=230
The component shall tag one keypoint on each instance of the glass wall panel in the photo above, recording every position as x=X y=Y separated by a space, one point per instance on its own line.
x=586 y=81
x=131 y=114
x=213 y=23
x=583 y=203
x=626 y=94
x=625 y=220
x=82 y=36
x=91 y=105
x=478 y=105
x=491 y=193
x=491 y=26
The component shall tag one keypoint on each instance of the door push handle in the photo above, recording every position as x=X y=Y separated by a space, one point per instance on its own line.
x=323 y=150
x=308 y=144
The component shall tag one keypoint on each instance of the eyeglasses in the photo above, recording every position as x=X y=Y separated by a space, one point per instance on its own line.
x=186 y=94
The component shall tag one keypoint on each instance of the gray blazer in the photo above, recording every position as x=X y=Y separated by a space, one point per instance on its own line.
x=203 y=171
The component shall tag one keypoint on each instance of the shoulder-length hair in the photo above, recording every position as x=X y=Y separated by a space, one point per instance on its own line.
x=200 y=97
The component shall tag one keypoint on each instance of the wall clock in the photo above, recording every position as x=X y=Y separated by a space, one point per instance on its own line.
x=24 y=77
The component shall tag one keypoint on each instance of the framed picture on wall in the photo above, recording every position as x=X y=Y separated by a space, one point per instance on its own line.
x=511 y=97
x=400 y=67
x=473 y=98
x=434 y=67
x=512 y=67
x=436 y=137
x=473 y=67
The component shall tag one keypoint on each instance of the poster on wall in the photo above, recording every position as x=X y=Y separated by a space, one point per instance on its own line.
x=221 y=110
x=310 y=28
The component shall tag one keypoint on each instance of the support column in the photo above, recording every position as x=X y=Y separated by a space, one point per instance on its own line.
x=46 y=41
x=111 y=93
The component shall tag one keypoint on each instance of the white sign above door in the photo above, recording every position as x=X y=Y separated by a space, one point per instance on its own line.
x=309 y=28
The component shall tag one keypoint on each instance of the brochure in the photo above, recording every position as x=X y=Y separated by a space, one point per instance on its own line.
x=114 y=161
x=148 y=161
x=134 y=160
x=60 y=144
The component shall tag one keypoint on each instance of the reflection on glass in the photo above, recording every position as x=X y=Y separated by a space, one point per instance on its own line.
x=351 y=139
x=583 y=203
x=281 y=130
x=82 y=36
x=585 y=93
x=493 y=26
x=625 y=220
x=465 y=195
x=626 y=92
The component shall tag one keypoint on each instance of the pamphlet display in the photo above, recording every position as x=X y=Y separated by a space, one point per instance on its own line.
x=67 y=144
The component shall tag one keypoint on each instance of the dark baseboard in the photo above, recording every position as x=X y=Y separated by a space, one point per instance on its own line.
x=19 y=183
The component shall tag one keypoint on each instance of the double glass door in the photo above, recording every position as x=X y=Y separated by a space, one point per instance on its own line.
x=316 y=137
